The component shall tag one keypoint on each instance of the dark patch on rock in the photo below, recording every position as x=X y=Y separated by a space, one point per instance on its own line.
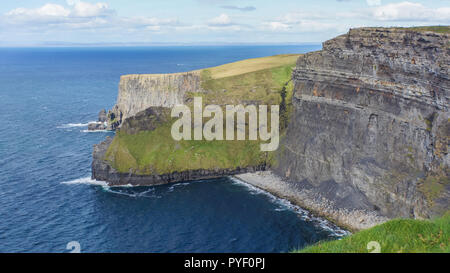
x=147 y=120
x=102 y=116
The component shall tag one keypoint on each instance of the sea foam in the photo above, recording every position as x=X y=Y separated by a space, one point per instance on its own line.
x=74 y=125
x=87 y=181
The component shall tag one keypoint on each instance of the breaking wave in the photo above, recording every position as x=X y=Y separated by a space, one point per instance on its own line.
x=86 y=181
x=74 y=125
x=94 y=131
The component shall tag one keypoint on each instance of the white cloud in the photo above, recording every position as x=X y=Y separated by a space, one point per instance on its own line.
x=153 y=28
x=409 y=11
x=301 y=22
x=84 y=9
x=278 y=26
x=141 y=21
x=373 y=2
x=47 y=10
x=221 y=20
x=77 y=15
x=52 y=11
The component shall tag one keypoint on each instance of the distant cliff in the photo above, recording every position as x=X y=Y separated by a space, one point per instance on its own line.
x=370 y=125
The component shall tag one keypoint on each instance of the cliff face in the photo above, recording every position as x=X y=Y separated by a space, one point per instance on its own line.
x=370 y=125
x=139 y=92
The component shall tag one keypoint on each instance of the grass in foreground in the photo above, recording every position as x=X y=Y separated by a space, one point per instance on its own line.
x=395 y=236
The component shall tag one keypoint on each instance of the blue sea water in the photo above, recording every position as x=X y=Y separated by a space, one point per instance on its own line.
x=47 y=97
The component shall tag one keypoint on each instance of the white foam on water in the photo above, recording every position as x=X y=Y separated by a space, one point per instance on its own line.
x=287 y=205
x=150 y=193
x=120 y=190
x=94 y=131
x=74 y=125
x=183 y=184
x=86 y=181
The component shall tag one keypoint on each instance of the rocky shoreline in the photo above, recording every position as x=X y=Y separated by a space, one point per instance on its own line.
x=354 y=220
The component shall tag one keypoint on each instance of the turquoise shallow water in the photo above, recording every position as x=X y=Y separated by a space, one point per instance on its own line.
x=47 y=97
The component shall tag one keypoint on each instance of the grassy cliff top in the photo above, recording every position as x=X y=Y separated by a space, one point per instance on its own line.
x=236 y=68
x=395 y=236
x=252 y=65
x=438 y=29
x=264 y=80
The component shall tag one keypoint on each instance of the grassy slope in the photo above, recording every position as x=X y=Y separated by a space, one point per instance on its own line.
x=438 y=29
x=395 y=236
x=155 y=152
x=252 y=65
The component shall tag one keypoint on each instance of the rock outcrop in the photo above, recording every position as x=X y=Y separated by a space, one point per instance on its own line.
x=138 y=92
x=101 y=123
x=371 y=122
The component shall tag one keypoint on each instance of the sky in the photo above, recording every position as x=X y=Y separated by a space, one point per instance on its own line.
x=53 y=22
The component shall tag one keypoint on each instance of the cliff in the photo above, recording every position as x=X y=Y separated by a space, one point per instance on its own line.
x=246 y=81
x=370 y=124
x=138 y=92
x=143 y=151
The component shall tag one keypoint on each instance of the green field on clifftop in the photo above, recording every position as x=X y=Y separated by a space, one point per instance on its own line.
x=438 y=29
x=254 y=81
x=395 y=236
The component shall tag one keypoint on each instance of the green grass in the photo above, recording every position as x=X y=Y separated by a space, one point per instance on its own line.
x=253 y=81
x=437 y=29
x=155 y=152
x=262 y=86
x=433 y=187
x=395 y=236
x=252 y=65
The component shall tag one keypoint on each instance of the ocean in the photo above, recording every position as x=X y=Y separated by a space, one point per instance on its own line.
x=47 y=199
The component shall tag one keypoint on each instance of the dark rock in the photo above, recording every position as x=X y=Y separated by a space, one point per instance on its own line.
x=95 y=126
x=102 y=116
x=146 y=120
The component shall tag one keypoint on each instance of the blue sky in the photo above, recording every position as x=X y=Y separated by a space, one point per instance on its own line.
x=36 y=22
